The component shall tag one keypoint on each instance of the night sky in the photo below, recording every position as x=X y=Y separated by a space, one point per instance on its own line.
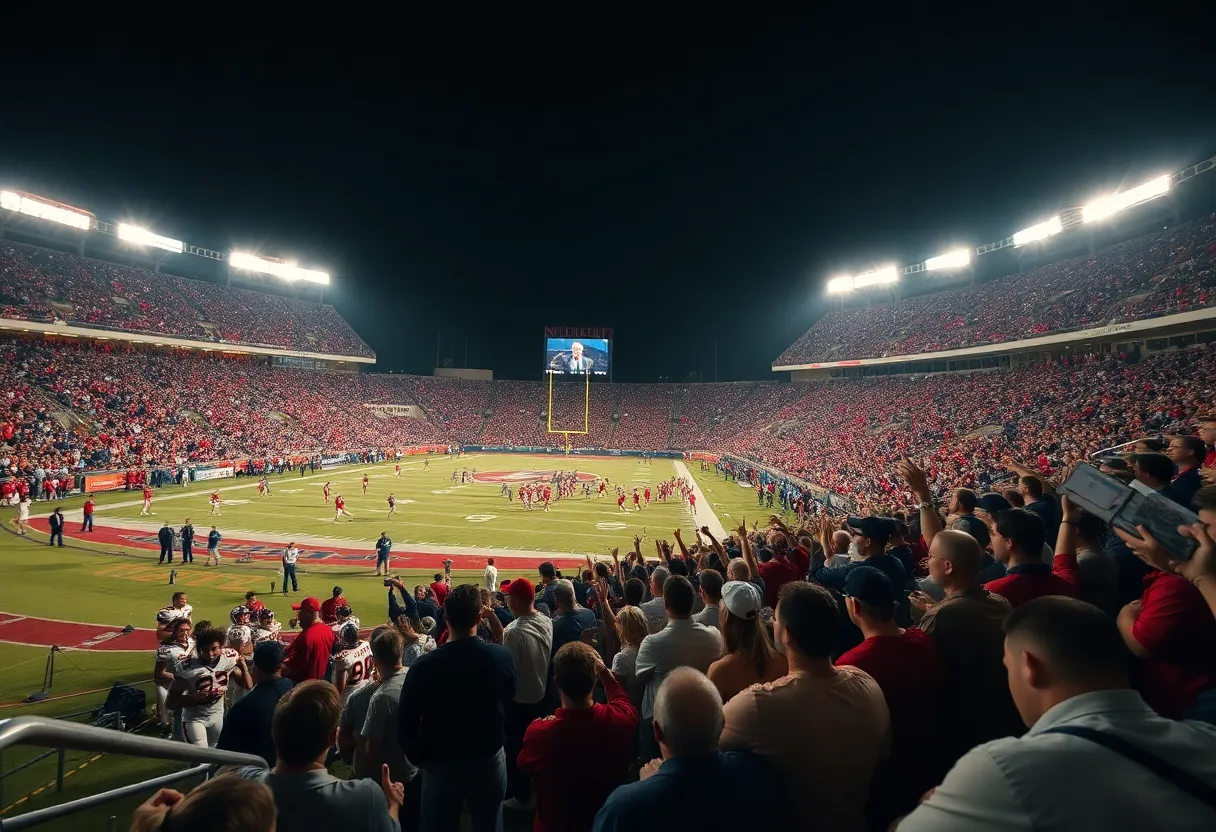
x=685 y=179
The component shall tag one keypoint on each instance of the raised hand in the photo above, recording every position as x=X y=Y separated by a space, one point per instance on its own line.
x=916 y=479
x=394 y=793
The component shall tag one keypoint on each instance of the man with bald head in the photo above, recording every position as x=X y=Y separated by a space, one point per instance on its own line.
x=672 y=792
x=1068 y=670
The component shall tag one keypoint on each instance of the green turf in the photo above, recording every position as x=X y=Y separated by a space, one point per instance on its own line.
x=441 y=512
x=115 y=585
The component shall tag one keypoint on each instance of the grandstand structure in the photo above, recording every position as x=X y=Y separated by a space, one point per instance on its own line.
x=1150 y=292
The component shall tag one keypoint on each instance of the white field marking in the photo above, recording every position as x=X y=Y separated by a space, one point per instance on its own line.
x=704 y=515
x=480 y=518
x=234 y=502
x=75 y=514
x=612 y=527
x=291 y=490
x=441 y=491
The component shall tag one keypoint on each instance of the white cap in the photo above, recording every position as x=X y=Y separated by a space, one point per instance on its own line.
x=742 y=599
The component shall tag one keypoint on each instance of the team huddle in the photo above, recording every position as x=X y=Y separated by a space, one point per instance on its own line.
x=202 y=670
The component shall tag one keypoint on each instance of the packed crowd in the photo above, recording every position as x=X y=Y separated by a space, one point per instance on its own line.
x=969 y=665
x=42 y=285
x=1159 y=274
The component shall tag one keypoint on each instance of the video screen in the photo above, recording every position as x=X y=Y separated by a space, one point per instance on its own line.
x=576 y=356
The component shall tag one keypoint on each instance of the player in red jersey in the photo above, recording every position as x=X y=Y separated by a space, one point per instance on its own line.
x=648 y=495
x=215 y=504
x=397 y=471
x=603 y=487
x=637 y=500
x=325 y=491
x=548 y=494
x=147 y=510
x=620 y=502
x=340 y=509
x=692 y=502
x=365 y=483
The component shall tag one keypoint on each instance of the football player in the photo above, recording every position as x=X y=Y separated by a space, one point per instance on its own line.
x=166 y=616
x=353 y=662
x=168 y=656
x=200 y=682
x=267 y=629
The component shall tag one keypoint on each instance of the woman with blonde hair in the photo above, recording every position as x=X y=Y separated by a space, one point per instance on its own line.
x=750 y=657
x=415 y=643
x=627 y=628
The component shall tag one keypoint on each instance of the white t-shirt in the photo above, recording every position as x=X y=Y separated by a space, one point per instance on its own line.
x=200 y=678
x=530 y=640
x=491 y=577
x=291 y=555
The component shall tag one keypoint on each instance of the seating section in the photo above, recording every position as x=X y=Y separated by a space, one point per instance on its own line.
x=83 y=405
x=1159 y=274
x=38 y=284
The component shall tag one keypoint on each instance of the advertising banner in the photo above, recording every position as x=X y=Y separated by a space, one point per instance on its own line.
x=214 y=473
x=105 y=481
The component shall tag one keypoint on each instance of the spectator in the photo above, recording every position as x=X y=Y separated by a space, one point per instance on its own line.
x=309 y=652
x=529 y=638
x=223 y=804
x=826 y=764
x=908 y=669
x=711 y=594
x=1187 y=453
x=571 y=786
x=329 y=607
x=871 y=534
x=1034 y=491
x=967 y=629
x=247 y=725
x=682 y=643
x=352 y=745
x=440 y=588
x=381 y=727
x=1068 y=671
x=453 y=705
x=654 y=609
x=489 y=577
x=305 y=729
x=789 y=564
x=750 y=658
x=672 y=793
x=1018 y=543
x=570 y=620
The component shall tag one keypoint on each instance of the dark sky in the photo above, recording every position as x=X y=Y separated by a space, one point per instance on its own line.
x=684 y=178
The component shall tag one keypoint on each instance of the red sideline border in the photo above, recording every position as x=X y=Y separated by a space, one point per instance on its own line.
x=260 y=550
x=32 y=631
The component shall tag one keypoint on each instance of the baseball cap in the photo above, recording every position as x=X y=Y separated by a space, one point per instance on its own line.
x=522 y=589
x=308 y=603
x=547 y=569
x=875 y=528
x=742 y=599
x=993 y=502
x=869 y=586
x=267 y=656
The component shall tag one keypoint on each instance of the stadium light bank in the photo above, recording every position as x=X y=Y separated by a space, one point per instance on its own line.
x=144 y=237
x=1104 y=207
x=887 y=274
x=282 y=270
x=46 y=209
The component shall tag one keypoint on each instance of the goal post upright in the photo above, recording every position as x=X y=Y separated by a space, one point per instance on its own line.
x=564 y=431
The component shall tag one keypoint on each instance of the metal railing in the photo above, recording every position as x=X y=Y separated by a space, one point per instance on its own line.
x=57 y=734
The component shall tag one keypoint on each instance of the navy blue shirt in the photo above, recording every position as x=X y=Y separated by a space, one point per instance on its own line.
x=680 y=796
x=453 y=702
x=833 y=577
x=247 y=725
x=569 y=626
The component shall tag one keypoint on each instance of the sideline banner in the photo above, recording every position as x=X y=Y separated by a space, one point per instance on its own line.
x=214 y=473
x=105 y=481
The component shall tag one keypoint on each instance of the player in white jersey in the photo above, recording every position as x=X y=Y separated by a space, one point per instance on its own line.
x=200 y=683
x=267 y=629
x=352 y=663
x=166 y=616
x=168 y=656
x=345 y=616
x=240 y=639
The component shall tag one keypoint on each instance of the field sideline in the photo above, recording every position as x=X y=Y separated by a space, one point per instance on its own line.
x=112 y=581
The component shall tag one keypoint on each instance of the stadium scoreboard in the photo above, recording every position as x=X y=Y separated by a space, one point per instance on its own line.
x=578 y=351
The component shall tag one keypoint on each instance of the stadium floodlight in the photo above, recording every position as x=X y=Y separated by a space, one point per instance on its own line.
x=839 y=285
x=957 y=259
x=1038 y=232
x=1102 y=208
x=888 y=274
x=45 y=209
x=285 y=271
x=144 y=237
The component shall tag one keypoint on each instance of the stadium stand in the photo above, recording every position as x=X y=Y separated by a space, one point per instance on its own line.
x=38 y=284
x=1158 y=274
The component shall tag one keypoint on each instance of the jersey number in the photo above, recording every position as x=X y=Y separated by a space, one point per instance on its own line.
x=360 y=671
x=217 y=681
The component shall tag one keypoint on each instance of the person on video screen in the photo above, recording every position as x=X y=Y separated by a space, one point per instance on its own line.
x=574 y=362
